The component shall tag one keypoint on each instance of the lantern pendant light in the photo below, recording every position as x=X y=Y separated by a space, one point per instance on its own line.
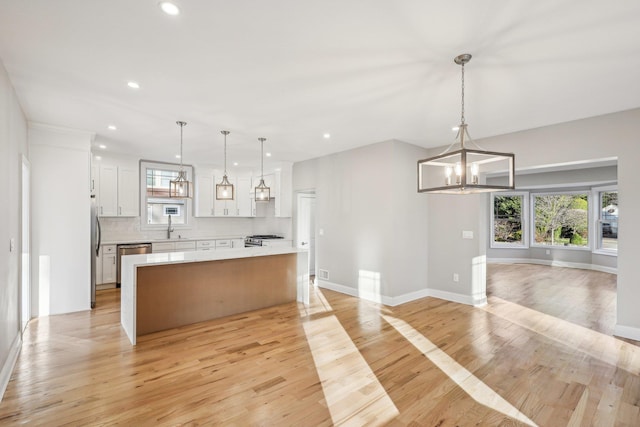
x=224 y=190
x=180 y=188
x=465 y=163
x=262 y=192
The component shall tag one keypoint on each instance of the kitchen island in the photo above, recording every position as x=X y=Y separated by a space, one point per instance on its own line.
x=167 y=290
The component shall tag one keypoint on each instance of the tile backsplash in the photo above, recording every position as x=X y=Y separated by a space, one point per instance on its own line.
x=128 y=229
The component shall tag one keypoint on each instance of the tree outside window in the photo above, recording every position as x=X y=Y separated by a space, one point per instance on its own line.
x=562 y=219
x=507 y=219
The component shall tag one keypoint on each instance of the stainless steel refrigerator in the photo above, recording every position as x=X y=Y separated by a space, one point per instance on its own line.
x=95 y=246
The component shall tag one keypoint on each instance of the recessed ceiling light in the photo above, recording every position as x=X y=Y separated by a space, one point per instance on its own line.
x=102 y=146
x=455 y=128
x=326 y=135
x=235 y=163
x=267 y=154
x=133 y=85
x=98 y=157
x=112 y=127
x=178 y=156
x=169 y=8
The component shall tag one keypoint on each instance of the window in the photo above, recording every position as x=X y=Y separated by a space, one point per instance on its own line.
x=561 y=219
x=159 y=207
x=508 y=219
x=607 y=228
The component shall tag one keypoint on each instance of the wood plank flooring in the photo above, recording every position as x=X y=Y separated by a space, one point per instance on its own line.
x=524 y=359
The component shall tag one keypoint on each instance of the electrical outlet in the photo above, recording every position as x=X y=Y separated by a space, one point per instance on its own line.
x=456 y=277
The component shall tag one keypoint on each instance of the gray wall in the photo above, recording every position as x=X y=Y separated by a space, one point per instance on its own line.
x=13 y=144
x=374 y=221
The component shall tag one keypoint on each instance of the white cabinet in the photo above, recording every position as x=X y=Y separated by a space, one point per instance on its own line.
x=245 y=202
x=277 y=242
x=182 y=246
x=206 y=245
x=118 y=191
x=279 y=183
x=237 y=243
x=204 y=193
x=109 y=254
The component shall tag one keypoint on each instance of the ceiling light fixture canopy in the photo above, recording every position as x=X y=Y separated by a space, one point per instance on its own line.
x=181 y=188
x=262 y=192
x=458 y=171
x=224 y=190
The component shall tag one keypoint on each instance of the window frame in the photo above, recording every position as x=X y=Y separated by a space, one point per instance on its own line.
x=597 y=219
x=524 y=215
x=174 y=167
x=532 y=228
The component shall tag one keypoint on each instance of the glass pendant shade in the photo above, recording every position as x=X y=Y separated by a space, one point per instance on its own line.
x=181 y=187
x=224 y=190
x=262 y=192
x=465 y=171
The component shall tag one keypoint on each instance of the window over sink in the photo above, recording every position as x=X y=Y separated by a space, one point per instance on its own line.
x=158 y=207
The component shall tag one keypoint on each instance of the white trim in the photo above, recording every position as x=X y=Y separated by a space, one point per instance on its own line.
x=404 y=298
x=627 y=332
x=553 y=263
x=9 y=364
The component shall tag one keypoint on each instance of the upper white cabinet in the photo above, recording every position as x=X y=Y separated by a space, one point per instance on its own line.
x=244 y=198
x=279 y=183
x=206 y=204
x=118 y=191
x=204 y=193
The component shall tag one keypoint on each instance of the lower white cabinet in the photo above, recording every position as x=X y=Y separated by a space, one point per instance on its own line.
x=183 y=246
x=109 y=255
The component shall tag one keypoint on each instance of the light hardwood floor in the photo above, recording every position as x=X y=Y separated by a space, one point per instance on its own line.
x=535 y=355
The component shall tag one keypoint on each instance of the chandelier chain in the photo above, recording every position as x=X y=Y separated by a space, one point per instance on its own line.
x=462 y=114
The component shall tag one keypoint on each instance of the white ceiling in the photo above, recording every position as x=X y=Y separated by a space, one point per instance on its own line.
x=364 y=71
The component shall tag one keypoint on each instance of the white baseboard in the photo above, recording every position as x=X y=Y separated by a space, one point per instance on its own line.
x=404 y=298
x=627 y=332
x=553 y=263
x=7 y=368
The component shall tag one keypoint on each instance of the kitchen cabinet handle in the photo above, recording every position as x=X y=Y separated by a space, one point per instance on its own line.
x=101 y=210
x=119 y=210
x=114 y=260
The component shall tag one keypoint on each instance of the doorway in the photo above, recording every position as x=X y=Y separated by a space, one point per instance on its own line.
x=25 y=236
x=306 y=227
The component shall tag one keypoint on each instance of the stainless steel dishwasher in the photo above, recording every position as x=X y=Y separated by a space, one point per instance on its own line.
x=130 y=249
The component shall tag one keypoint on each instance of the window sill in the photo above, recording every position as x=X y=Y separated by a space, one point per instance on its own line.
x=606 y=253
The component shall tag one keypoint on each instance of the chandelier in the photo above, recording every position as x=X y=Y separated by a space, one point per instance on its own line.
x=224 y=190
x=180 y=188
x=464 y=170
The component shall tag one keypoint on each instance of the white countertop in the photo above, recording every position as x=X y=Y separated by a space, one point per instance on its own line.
x=133 y=240
x=129 y=261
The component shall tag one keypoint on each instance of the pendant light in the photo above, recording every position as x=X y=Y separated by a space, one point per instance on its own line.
x=181 y=188
x=262 y=193
x=458 y=172
x=224 y=190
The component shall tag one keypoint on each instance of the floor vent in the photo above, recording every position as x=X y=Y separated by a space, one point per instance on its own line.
x=323 y=274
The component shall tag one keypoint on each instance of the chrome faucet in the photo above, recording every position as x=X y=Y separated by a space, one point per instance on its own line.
x=169 y=229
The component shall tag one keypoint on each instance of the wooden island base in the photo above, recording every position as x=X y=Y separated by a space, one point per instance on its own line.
x=173 y=295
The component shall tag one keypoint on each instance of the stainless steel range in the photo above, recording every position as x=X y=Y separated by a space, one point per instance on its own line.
x=258 y=239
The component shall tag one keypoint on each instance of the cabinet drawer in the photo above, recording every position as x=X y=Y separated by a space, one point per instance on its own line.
x=223 y=243
x=163 y=247
x=185 y=246
x=206 y=244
